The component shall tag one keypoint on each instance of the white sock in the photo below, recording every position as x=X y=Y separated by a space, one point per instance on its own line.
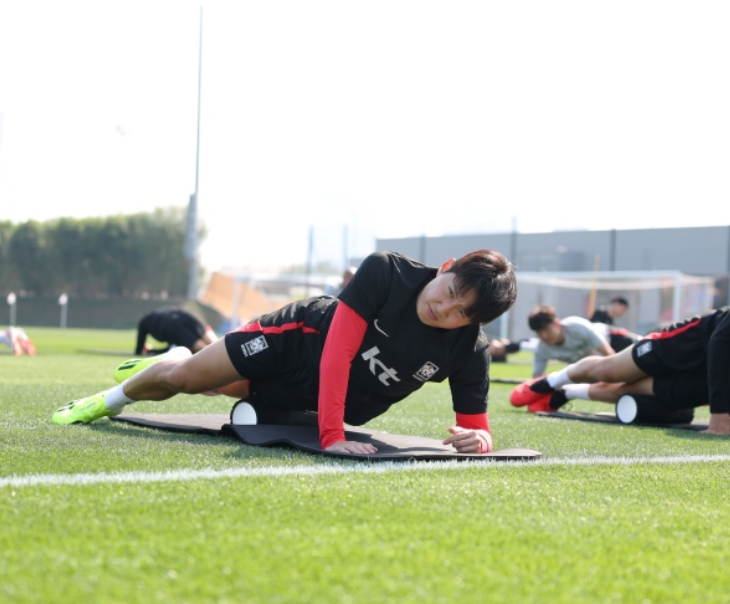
x=557 y=379
x=116 y=399
x=573 y=391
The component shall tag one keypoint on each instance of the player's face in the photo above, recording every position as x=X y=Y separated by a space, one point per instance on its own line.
x=618 y=310
x=551 y=335
x=439 y=306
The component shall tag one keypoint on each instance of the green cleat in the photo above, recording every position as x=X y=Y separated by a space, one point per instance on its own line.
x=84 y=410
x=133 y=366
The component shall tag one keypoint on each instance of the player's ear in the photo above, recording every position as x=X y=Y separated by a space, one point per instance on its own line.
x=446 y=265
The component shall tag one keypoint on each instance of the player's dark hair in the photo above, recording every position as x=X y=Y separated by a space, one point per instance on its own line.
x=541 y=316
x=490 y=276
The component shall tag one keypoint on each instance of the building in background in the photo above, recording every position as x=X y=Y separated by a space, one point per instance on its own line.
x=666 y=273
x=693 y=250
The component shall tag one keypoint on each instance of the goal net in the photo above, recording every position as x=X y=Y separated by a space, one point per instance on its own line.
x=655 y=298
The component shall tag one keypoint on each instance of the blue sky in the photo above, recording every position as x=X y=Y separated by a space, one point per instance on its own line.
x=388 y=119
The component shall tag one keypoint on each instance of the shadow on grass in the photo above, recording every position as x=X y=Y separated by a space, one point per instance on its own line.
x=695 y=435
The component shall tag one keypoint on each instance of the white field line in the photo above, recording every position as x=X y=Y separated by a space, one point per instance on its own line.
x=335 y=468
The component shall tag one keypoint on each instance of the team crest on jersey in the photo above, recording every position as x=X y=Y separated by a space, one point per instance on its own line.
x=643 y=348
x=426 y=372
x=254 y=346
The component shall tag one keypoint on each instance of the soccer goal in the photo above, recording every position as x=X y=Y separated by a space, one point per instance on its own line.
x=655 y=298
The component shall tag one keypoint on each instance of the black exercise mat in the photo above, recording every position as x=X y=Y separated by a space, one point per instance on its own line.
x=393 y=447
x=210 y=424
x=390 y=446
x=609 y=417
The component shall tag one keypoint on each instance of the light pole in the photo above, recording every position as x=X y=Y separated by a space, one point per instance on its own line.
x=63 y=301
x=11 y=303
x=191 y=239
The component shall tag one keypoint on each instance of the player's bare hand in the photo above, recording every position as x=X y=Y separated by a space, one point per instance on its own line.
x=468 y=441
x=719 y=424
x=351 y=446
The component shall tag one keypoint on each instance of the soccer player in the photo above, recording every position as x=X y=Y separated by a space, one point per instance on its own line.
x=684 y=365
x=397 y=325
x=617 y=307
x=18 y=341
x=346 y=278
x=572 y=338
x=499 y=348
x=175 y=326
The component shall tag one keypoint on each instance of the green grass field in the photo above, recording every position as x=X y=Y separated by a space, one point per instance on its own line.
x=114 y=513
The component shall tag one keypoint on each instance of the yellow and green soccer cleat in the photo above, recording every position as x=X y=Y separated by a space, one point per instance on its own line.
x=84 y=410
x=129 y=368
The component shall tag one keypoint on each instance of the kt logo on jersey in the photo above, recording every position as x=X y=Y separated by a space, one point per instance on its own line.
x=384 y=373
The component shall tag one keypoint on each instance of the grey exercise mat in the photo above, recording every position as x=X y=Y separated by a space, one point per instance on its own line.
x=609 y=417
x=393 y=447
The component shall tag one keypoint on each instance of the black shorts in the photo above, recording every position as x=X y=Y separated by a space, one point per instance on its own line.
x=680 y=375
x=667 y=355
x=280 y=353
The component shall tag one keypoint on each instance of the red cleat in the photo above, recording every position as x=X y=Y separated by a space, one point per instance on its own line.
x=523 y=395
x=542 y=404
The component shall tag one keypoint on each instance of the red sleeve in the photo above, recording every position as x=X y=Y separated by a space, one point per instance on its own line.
x=476 y=421
x=343 y=341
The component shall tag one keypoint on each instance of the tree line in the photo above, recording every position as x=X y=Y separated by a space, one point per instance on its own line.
x=132 y=255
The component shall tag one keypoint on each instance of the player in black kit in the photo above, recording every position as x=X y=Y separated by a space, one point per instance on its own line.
x=397 y=325
x=176 y=327
x=684 y=365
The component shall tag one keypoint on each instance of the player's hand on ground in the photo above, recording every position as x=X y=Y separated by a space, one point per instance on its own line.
x=469 y=441
x=719 y=424
x=351 y=446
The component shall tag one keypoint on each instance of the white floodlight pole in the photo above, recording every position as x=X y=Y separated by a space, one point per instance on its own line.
x=11 y=302
x=191 y=242
x=310 y=256
x=235 y=304
x=677 y=298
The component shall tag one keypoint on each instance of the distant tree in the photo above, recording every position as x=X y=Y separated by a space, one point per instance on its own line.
x=28 y=255
x=67 y=269
x=161 y=260
x=8 y=281
x=124 y=255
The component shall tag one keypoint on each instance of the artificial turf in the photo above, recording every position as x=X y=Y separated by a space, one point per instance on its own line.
x=115 y=513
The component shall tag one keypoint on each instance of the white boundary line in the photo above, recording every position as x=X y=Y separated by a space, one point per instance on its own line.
x=373 y=468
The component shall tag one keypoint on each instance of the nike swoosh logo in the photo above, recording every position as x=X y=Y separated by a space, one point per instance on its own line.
x=375 y=323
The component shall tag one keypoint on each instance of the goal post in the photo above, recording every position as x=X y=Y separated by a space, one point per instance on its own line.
x=655 y=298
